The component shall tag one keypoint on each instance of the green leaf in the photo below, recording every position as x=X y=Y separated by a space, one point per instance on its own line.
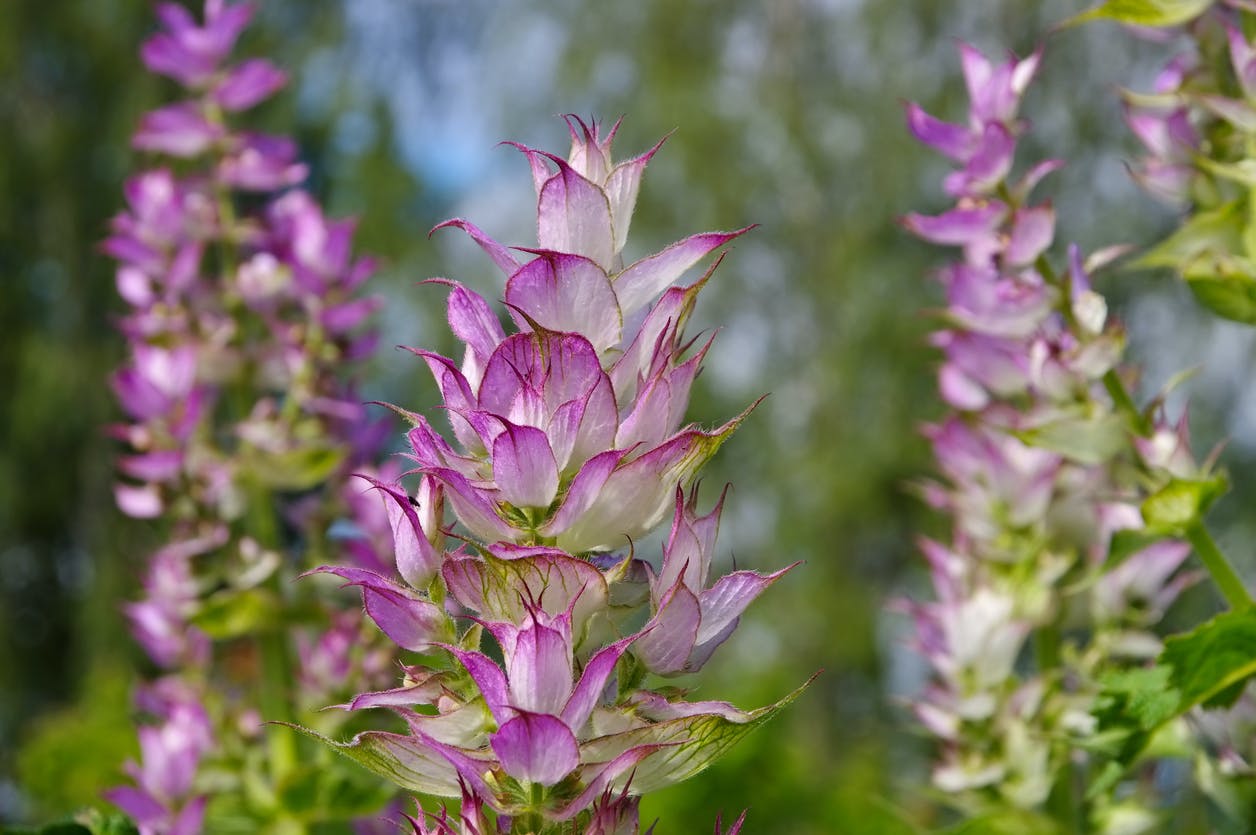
x=1181 y=502
x=1085 y=440
x=231 y=613
x=1144 y=12
x=1208 y=666
x=1226 y=285
x=1217 y=231
x=1146 y=695
x=1211 y=662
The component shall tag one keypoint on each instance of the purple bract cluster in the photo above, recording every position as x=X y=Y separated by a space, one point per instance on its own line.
x=240 y=329
x=537 y=622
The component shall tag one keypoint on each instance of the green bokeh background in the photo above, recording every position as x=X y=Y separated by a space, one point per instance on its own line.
x=787 y=113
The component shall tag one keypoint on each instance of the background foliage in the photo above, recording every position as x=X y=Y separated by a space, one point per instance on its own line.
x=786 y=113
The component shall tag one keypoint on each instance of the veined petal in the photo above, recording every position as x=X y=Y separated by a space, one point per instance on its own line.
x=537 y=162
x=659 y=332
x=524 y=468
x=574 y=215
x=579 y=429
x=592 y=682
x=729 y=597
x=457 y=394
x=412 y=622
x=536 y=747
x=584 y=490
x=473 y=507
x=454 y=387
x=658 y=709
x=552 y=367
x=501 y=255
x=540 y=670
x=567 y=294
x=496 y=585
x=646 y=278
x=417 y=559
x=666 y=647
x=688 y=744
x=588 y=157
x=466 y=726
x=659 y=407
x=411 y=762
x=424 y=692
x=490 y=679
x=621 y=189
x=473 y=321
x=428 y=447
x=603 y=776
x=634 y=497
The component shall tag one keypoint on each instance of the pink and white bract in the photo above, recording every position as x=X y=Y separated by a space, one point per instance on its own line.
x=569 y=444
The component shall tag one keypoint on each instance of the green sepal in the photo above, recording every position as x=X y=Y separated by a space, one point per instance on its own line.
x=1218 y=230
x=1181 y=503
x=1226 y=285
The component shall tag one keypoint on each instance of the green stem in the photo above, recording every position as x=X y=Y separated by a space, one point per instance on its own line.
x=1062 y=804
x=1047 y=648
x=276 y=684
x=276 y=658
x=1229 y=583
x=1124 y=403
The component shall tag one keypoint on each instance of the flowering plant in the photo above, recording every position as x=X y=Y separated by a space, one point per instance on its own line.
x=1074 y=510
x=244 y=319
x=537 y=622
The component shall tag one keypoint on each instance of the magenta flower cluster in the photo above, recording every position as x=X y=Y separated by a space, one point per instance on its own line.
x=537 y=621
x=240 y=329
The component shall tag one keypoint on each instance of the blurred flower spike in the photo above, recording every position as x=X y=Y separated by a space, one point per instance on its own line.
x=243 y=324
